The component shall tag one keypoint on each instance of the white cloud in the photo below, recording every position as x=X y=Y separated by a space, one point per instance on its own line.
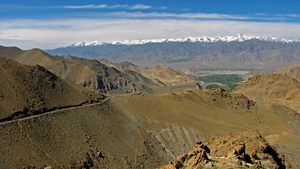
x=174 y=15
x=260 y=14
x=47 y=34
x=125 y=6
x=293 y=15
x=119 y=6
x=197 y=16
x=86 y=6
x=140 y=6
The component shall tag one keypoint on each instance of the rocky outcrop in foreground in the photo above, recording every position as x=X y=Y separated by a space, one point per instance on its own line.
x=247 y=149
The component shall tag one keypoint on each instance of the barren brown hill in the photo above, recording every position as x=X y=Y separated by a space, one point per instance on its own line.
x=292 y=71
x=13 y=52
x=261 y=72
x=163 y=74
x=143 y=131
x=84 y=72
x=27 y=90
x=246 y=149
x=275 y=88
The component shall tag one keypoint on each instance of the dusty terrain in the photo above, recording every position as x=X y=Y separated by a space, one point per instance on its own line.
x=272 y=88
x=292 y=71
x=261 y=72
x=27 y=90
x=143 y=131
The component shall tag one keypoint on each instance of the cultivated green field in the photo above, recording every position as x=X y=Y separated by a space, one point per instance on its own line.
x=230 y=81
x=220 y=69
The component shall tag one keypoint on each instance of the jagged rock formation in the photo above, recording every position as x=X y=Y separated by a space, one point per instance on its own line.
x=27 y=90
x=247 y=149
x=84 y=72
x=198 y=154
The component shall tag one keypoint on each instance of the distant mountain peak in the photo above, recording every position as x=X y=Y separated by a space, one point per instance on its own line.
x=238 y=38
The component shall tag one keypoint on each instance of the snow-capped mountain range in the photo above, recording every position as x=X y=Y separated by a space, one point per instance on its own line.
x=237 y=38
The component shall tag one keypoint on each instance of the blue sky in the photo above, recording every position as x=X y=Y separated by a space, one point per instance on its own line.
x=50 y=24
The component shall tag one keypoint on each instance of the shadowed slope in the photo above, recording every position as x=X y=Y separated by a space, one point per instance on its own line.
x=27 y=90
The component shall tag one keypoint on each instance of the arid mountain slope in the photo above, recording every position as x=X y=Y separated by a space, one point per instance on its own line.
x=27 y=90
x=261 y=72
x=246 y=149
x=274 y=88
x=88 y=73
x=12 y=52
x=292 y=71
x=143 y=131
x=158 y=73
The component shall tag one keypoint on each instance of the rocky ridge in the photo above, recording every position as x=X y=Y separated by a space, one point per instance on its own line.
x=246 y=149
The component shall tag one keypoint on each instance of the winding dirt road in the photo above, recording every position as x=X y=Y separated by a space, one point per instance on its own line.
x=71 y=108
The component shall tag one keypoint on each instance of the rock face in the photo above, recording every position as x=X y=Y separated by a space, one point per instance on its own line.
x=27 y=90
x=198 y=156
x=248 y=149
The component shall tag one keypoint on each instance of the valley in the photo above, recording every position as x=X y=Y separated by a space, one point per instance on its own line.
x=72 y=112
x=149 y=84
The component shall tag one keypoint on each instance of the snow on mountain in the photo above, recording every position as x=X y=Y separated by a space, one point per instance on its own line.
x=85 y=43
x=237 y=38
